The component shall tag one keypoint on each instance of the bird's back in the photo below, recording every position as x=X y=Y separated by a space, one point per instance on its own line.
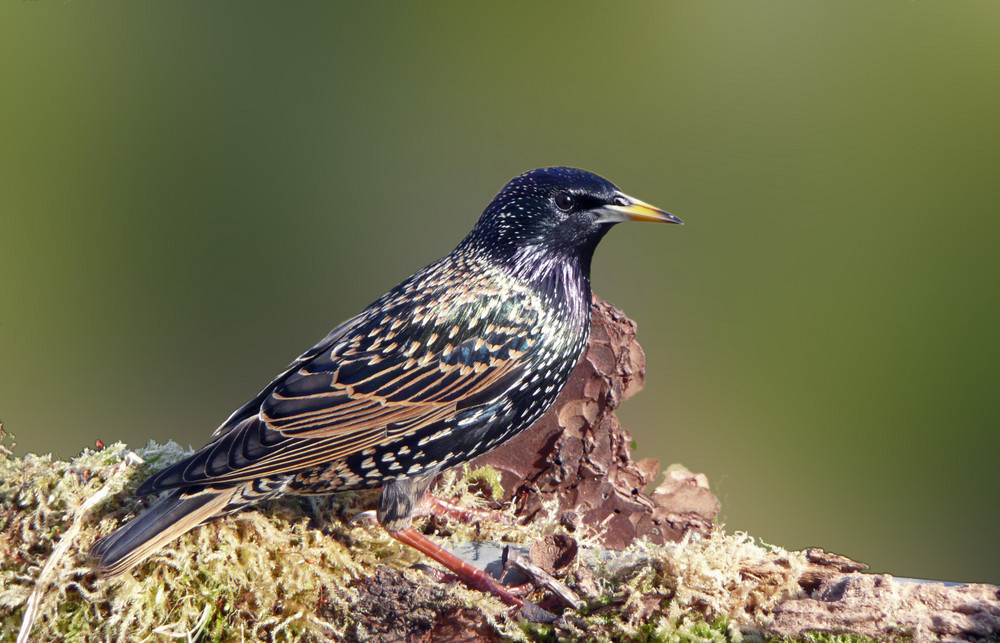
x=449 y=364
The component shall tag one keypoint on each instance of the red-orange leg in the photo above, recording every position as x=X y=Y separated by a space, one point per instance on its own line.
x=432 y=505
x=471 y=576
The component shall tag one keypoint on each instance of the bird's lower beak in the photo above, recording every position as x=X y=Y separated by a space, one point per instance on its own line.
x=630 y=209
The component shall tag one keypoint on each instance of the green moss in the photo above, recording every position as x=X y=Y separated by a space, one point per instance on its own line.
x=296 y=569
x=823 y=637
x=486 y=477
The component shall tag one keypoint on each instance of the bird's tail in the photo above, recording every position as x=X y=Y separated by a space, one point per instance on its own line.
x=169 y=518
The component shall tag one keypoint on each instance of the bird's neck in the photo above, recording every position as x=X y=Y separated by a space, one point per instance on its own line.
x=562 y=280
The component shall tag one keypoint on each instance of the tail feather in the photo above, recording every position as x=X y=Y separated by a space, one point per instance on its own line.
x=168 y=519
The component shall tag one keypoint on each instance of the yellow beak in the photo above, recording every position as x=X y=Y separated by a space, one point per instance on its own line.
x=627 y=208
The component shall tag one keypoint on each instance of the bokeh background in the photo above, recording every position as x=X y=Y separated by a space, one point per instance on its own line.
x=193 y=193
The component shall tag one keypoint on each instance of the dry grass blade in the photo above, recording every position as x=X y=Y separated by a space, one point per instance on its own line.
x=48 y=570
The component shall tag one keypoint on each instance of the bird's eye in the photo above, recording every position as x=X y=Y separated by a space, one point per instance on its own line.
x=564 y=201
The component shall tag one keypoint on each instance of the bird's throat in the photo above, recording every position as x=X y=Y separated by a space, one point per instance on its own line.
x=563 y=281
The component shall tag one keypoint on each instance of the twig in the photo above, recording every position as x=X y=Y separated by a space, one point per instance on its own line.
x=541 y=577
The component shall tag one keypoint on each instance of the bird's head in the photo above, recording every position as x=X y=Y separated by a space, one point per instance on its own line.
x=556 y=212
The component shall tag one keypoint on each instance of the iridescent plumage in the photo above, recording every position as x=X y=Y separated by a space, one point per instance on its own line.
x=449 y=364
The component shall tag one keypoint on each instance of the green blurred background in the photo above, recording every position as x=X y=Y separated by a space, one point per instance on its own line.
x=193 y=193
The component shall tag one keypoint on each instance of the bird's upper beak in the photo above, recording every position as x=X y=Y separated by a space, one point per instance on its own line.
x=626 y=208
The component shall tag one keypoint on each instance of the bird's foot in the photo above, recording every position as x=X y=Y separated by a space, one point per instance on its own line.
x=441 y=576
x=369 y=516
x=431 y=505
x=521 y=590
x=470 y=576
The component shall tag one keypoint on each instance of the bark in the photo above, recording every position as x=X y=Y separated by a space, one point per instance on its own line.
x=578 y=455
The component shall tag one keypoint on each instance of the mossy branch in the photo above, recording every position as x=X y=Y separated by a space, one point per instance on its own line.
x=300 y=569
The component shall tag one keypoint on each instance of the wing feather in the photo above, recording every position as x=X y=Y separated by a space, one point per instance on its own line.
x=374 y=378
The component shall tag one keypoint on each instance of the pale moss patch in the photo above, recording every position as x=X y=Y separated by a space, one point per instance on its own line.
x=286 y=572
x=292 y=570
x=703 y=577
x=688 y=591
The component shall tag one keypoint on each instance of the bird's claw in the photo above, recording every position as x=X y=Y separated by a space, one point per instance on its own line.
x=365 y=516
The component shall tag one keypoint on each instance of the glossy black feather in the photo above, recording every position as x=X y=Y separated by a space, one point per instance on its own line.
x=452 y=362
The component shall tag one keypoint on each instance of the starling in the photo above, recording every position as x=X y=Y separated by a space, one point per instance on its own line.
x=449 y=364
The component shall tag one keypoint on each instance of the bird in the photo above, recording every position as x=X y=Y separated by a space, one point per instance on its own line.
x=451 y=363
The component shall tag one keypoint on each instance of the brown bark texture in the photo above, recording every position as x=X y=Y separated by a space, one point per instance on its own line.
x=579 y=456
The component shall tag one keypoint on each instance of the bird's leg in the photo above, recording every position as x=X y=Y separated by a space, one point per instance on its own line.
x=401 y=499
x=432 y=505
x=472 y=577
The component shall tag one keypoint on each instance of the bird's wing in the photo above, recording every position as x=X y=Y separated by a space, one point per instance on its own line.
x=252 y=407
x=382 y=378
